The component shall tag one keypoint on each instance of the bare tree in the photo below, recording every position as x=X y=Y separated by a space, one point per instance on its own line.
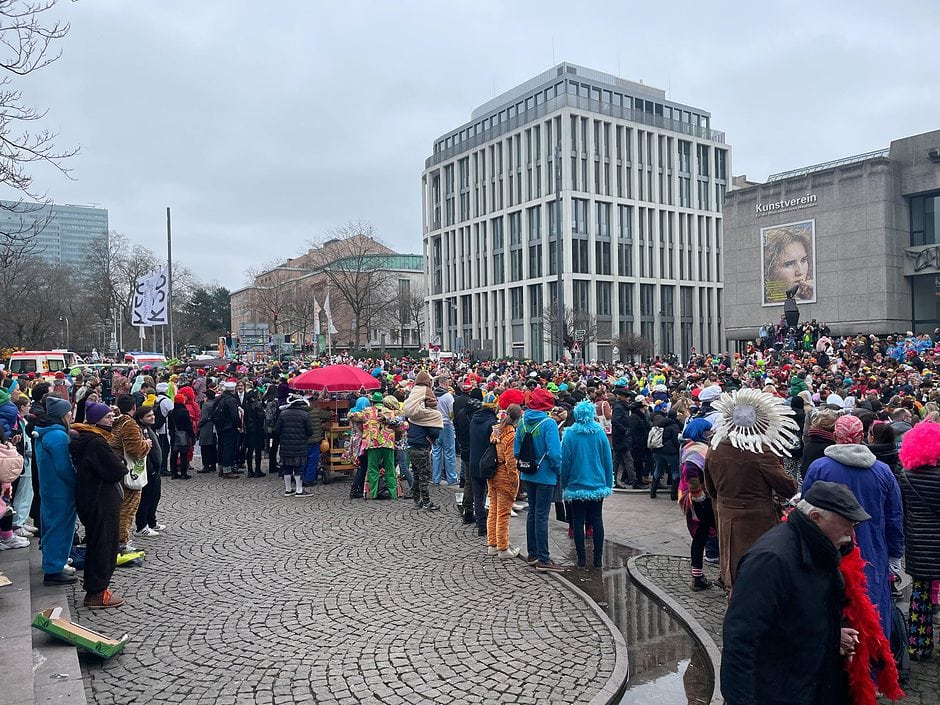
x=633 y=345
x=356 y=267
x=27 y=38
x=574 y=321
x=272 y=291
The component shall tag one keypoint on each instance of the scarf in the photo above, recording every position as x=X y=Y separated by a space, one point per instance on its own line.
x=690 y=478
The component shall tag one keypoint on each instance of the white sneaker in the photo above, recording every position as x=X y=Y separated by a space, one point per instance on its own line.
x=519 y=506
x=491 y=550
x=128 y=548
x=486 y=504
x=68 y=570
x=509 y=552
x=23 y=532
x=159 y=527
x=148 y=532
x=13 y=542
x=512 y=513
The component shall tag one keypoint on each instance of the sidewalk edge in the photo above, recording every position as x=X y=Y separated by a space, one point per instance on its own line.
x=699 y=633
x=613 y=689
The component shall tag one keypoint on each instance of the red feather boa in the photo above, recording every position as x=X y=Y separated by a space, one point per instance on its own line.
x=873 y=653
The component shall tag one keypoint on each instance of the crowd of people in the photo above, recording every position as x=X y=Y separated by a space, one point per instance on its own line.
x=851 y=422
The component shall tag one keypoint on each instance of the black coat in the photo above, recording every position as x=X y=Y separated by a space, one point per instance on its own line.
x=463 y=412
x=886 y=453
x=814 y=449
x=481 y=426
x=293 y=427
x=225 y=416
x=671 y=431
x=782 y=627
x=98 y=470
x=639 y=426
x=620 y=428
x=920 y=489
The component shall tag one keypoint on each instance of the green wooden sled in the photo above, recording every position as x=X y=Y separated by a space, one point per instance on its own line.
x=51 y=622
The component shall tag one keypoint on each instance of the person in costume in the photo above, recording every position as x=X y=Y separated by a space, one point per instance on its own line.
x=57 y=488
x=920 y=488
x=743 y=470
x=693 y=500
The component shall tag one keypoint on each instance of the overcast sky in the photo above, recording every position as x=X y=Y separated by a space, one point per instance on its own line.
x=262 y=125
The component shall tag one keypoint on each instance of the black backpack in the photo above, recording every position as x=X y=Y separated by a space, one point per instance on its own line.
x=527 y=461
x=488 y=462
x=158 y=415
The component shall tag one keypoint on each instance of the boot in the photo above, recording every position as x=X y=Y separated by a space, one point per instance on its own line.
x=700 y=583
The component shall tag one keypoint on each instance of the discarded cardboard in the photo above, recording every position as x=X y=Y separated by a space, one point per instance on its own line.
x=51 y=622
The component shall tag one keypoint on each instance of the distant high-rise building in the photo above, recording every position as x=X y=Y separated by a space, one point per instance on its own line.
x=64 y=235
x=631 y=182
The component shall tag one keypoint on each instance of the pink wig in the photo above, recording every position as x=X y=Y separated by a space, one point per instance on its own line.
x=920 y=446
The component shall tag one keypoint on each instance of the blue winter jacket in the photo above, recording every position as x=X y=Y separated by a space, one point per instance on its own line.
x=9 y=419
x=547 y=444
x=877 y=490
x=587 y=470
x=54 y=462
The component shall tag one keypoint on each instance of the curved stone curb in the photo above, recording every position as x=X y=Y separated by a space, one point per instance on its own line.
x=699 y=633
x=614 y=688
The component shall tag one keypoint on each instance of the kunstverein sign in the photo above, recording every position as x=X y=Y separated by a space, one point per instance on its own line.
x=787 y=204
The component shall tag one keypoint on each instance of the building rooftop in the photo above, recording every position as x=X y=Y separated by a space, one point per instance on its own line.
x=803 y=171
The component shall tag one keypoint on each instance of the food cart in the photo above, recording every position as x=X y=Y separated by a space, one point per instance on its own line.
x=335 y=379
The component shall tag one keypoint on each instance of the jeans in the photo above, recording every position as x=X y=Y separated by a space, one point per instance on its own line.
x=401 y=458
x=444 y=446
x=313 y=462
x=164 y=453
x=149 y=499
x=592 y=513
x=23 y=495
x=536 y=524
x=668 y=464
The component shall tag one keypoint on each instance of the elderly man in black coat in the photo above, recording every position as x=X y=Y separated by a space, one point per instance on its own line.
x=783 y=635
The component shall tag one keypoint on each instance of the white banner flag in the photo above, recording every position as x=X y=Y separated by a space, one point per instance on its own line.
x=329 y=316
x=152 y=299
x=316 y=317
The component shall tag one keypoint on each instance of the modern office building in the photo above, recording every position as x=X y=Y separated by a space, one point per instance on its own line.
x=65 y=235
x=858 y=238
x=630 y=182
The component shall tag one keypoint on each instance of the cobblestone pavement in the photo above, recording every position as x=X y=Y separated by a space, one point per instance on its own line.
x=253 y=597
x=670 y=574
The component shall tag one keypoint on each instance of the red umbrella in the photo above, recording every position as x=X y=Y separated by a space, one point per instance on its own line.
x=335 y=378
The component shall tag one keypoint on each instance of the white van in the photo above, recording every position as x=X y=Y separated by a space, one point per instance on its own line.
x=145 y=359
x=43 y=363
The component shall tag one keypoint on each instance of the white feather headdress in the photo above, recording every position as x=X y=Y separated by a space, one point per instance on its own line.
x=756 y=421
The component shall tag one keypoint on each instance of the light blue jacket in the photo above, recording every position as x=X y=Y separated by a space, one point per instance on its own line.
x=587 y=470
x=545 y=438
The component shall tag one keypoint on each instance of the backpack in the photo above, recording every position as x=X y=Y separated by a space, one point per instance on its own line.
x=158 y=415
x=488 y=462
x=220 y=416
x=527 y=461
x=655 y=438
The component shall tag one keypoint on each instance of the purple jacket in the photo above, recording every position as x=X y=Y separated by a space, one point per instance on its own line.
x=877 y=490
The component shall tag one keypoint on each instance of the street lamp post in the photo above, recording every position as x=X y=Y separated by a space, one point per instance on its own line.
x=67 y=336
x=559 y=255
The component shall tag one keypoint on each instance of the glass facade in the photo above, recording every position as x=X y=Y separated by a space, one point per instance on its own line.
x=63 y=235
x=925 y=219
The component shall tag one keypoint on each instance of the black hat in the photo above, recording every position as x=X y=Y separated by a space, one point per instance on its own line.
x=622 y=391
x=836 y=498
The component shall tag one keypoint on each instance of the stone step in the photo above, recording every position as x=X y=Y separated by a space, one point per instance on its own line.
x=38 y=668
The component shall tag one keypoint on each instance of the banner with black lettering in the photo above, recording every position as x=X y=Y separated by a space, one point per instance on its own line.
x=152 y=299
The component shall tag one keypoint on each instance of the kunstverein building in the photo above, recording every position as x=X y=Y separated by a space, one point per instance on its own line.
x=859 y=238
x=630 y=182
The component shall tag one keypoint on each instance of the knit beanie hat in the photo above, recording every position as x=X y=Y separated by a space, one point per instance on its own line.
x=541 y=400
x=849 y=429
x=94 y=412
x=56 y=407
x=511 y=396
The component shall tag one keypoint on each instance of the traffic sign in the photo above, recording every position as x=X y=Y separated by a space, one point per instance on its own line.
x=616 y=350
x=579 y=334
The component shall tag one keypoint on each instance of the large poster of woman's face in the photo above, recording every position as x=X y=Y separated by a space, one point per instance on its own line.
x=788 y=254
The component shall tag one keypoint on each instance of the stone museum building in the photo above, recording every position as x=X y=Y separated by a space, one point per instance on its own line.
x=856 y=242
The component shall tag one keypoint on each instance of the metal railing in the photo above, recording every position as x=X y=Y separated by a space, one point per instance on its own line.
x=828 y=165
